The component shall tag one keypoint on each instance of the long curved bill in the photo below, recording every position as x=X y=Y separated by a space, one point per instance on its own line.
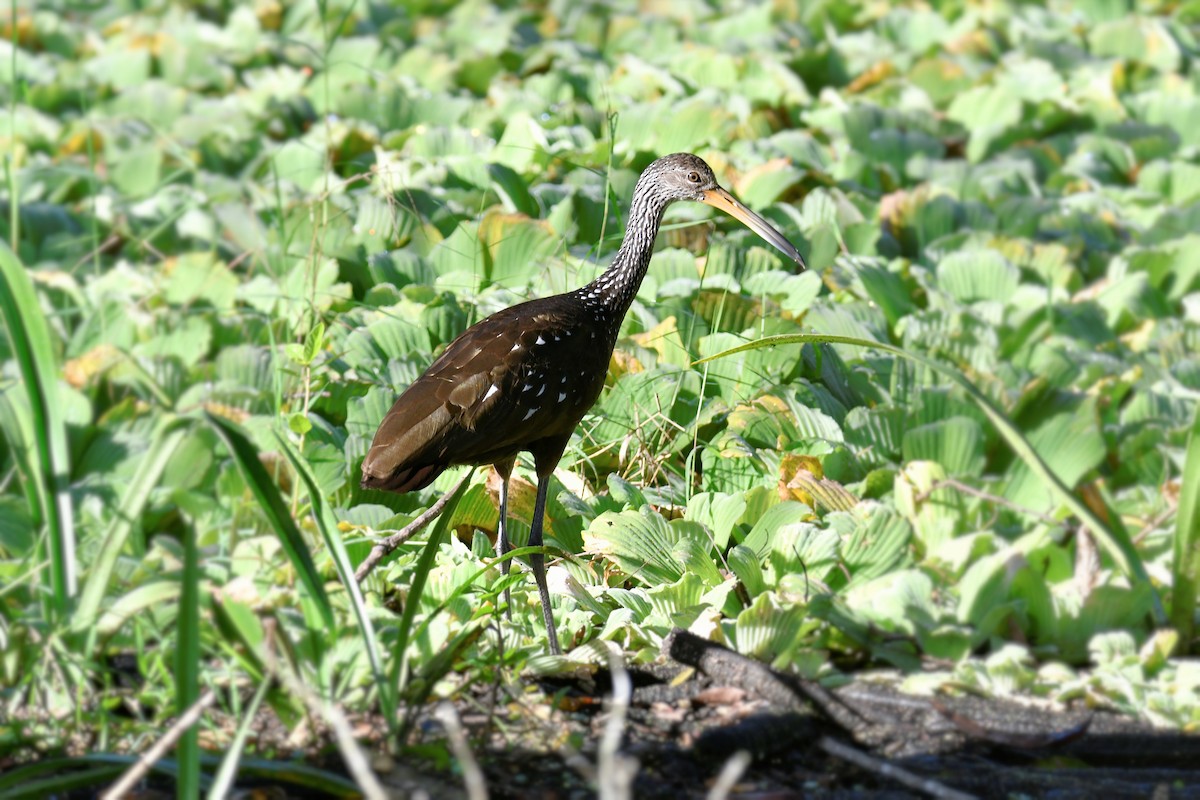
x=719 y=198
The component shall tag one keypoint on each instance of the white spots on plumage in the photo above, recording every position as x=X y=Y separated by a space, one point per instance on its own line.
x=562 y=396
x=527 y=388
x=515 y=347
x=556 y=337
x=529 y=414
x=564 y=379
x=493 y=389
x=541 y=391
x=540 y=340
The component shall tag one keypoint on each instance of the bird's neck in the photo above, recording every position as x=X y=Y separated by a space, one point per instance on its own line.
x=616 y=287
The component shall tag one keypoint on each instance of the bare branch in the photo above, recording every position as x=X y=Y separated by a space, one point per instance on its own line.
x=385 y=546
x=147 y=760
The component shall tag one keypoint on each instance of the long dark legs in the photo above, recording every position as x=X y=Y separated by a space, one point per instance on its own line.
x=545 y=468
x=538 y=561
x=504 y=470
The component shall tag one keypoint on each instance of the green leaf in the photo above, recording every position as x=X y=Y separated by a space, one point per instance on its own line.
x=973 y=275
x=151 y=464
x=899 y=602
x=270 y=503
x=984 y=594
x=987 y=112
x=765 y=533
x=327 y=524
x=1118 y=547
x=718 y=512
x=1069 y=442
x=47 y=467
x=399 y=674
x=955 y=443
x=874 y=546
x=935 y=511
x=194 y=277
x=159 y=593
x=643 y=544
x=187 y=666
x=512 y=189
x=1185 y=565
x=747 y=566
x=313 y=342
x=768 y=629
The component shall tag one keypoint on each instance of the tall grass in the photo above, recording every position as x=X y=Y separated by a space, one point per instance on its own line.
x=43 y=462
x=1186 y=569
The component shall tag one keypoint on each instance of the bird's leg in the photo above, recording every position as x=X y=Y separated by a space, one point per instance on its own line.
x=538 y=561
x=504 y=470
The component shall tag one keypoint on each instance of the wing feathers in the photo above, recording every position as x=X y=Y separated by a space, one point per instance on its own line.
x=468 y=407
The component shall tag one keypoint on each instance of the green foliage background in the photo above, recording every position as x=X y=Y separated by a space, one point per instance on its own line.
x=246 y=227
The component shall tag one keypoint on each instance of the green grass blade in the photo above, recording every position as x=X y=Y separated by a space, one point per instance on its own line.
x=187 y=669
x=1116 y=543
x=307 y=780
x=1185 y=570
x=327 y=525
x=162 y=448
x=49 y=470
x=222 y=785
x=273 y=507
x=25 y=785
x=439 y=533
x=59 y=776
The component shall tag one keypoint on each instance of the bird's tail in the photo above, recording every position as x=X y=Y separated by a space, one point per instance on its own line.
x=404 y=480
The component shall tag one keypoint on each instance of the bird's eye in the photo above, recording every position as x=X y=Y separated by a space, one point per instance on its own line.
x=694 y=177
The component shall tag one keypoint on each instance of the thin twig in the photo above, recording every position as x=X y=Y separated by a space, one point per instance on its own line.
x=965 y=488
x=1157 y=520
x=353 y=756
x=730 y=773
x=887 y=769
x=385 y=546
x=472 y=774
x=148 y=759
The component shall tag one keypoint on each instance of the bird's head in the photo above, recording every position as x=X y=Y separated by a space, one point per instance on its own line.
x=680 y=176
x=683 y=176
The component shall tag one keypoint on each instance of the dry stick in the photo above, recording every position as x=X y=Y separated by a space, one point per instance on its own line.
x=385 y=546
x=966 y=488
x=472 y=774
x=616 y=771
x=156 y=751
x=887 y=769
x=353 y=756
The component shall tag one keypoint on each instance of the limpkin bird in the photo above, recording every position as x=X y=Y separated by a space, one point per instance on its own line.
x=522 y=379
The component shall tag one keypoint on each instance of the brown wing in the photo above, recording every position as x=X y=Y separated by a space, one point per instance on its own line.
x=521 y=376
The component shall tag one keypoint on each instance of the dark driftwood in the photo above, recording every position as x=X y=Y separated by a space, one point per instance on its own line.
x=766 y=734
x=727 y=667
x=990 y=747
